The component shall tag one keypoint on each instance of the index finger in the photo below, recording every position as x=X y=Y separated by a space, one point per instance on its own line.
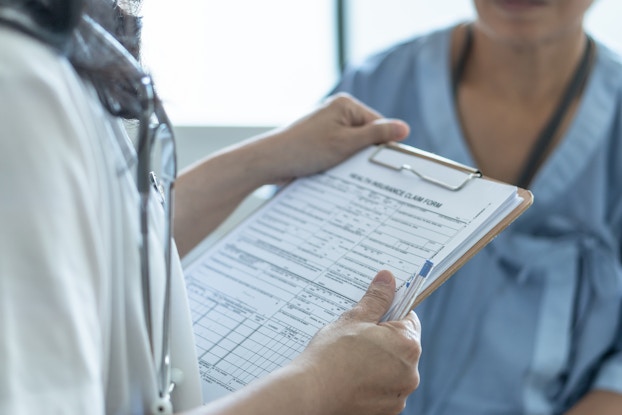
x=411 y=320
x=357 y=112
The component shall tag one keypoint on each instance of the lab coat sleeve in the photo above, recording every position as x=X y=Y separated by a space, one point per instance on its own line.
x=51 y=242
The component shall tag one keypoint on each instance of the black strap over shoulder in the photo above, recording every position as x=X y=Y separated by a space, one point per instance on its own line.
x=573 y=90
x=546 y=136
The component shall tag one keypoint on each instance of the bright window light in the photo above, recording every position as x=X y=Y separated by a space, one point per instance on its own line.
x=240 y=62
x=374 y=25
x=266 y=63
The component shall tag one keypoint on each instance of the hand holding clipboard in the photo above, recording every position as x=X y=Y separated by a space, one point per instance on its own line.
x=309 y=253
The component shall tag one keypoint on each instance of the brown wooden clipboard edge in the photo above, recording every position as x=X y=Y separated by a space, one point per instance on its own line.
x=527 y=197
x=525 y=194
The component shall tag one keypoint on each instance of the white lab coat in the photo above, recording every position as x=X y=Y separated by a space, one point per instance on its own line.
x=72 y=333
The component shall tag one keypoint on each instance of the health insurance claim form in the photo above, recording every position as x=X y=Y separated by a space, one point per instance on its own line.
x=260 y=293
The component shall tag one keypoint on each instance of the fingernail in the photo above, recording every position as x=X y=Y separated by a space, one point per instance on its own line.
x=383 y=278
x=400 y=128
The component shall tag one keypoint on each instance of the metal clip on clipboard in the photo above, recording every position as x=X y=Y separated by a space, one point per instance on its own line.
x=470 y=173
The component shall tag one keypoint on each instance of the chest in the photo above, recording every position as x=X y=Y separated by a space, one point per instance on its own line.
x=503 y=136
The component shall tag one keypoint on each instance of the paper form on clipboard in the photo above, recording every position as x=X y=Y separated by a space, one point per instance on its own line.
x=260 y=293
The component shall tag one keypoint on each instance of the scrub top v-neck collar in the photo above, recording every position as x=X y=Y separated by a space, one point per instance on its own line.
x=565 y=163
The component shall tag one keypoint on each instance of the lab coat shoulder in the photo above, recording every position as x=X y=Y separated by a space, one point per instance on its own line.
x=52 y=238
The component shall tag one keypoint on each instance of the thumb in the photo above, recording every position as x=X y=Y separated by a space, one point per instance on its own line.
x=378 y=298
x=384 y=130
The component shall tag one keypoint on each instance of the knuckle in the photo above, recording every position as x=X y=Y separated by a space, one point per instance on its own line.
x=399 y=403
x=340 y=100
x=414 y=380
x=349 y=315
x=414 y=352
x=383 y=295
x=412 y=326
x=410 y=383
x=413 y=318
x=398 y=407
x=417 y=380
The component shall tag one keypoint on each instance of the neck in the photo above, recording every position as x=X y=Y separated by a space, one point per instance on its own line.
x=522 y=71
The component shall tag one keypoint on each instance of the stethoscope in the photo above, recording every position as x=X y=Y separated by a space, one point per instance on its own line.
x=154 y=133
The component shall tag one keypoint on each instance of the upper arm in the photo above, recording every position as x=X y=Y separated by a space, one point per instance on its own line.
x=50 y=267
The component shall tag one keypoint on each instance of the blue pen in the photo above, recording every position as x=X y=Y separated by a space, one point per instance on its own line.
x=407 y=299
x=413 y=288
x=423 y=273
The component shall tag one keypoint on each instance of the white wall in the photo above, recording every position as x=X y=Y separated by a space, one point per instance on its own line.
x=377 y=24
x=231 y=69
x=239 y=62
x=194 y=142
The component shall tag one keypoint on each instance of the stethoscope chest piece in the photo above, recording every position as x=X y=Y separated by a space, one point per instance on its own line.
x=162 y=406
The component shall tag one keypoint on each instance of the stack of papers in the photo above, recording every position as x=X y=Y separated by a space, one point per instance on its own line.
x=260 y=293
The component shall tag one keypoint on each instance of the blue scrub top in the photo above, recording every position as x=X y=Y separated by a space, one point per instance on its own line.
x=534 y=321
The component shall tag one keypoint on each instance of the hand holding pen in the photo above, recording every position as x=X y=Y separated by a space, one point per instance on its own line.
x=406 y=297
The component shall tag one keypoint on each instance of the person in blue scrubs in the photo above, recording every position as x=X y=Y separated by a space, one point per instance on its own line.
x=532 y=324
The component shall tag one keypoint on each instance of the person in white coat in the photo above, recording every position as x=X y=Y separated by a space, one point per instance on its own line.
x=75 y=333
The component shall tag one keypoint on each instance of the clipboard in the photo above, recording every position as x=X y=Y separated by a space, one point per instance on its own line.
x=469 y=174
x=307 y=254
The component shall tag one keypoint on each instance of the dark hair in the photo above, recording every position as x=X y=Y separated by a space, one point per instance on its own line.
x=59 y=23
x=52 y=21
x=114 y=80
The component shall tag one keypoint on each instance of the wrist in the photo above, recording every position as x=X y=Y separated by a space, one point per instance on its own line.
x=310 y=389
x=266 y=158
x=246 y=163
x=322 y=388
